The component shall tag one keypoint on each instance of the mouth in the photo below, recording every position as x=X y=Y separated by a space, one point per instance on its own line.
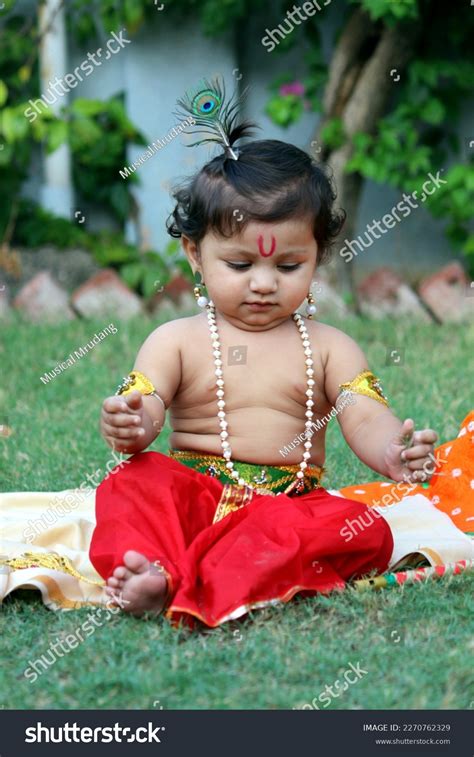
x=258 y=305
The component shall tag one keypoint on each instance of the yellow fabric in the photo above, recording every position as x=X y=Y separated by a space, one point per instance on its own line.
x=64 y=574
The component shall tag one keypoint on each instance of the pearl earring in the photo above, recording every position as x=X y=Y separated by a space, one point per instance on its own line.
x=202 y=301
x=311 y=306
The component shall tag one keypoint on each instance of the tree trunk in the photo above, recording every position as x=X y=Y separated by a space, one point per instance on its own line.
x=358 y=88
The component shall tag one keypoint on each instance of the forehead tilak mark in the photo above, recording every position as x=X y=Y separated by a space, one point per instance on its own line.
x=261 y=247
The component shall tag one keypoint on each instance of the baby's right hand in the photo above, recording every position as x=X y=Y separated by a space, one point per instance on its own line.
x=122 y=421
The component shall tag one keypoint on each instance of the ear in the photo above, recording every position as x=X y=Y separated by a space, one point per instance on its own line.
x=191 y=250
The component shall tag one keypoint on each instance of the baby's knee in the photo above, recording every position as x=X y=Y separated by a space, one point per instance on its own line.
x=365 y=524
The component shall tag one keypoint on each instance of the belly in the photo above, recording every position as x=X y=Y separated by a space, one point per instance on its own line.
x=256 y=435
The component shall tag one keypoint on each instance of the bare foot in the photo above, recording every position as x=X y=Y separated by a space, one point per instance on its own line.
x=140 y=588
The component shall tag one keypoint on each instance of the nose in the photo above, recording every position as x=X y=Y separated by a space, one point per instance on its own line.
x=263 y=281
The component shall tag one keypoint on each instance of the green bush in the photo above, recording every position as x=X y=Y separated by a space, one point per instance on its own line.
x=37 y=227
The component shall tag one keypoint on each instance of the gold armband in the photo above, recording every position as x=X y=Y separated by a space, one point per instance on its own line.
x=137 y=380
x=368 y=384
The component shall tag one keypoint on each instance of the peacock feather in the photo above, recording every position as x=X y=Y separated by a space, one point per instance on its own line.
x=215 y=115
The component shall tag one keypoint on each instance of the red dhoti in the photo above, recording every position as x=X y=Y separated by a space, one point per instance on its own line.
x=262 y=553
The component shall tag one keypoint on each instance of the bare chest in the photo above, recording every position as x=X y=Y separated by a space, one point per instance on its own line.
x=260 y=370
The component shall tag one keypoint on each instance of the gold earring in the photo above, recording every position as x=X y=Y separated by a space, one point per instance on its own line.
x=201 y=300
x=311 y=306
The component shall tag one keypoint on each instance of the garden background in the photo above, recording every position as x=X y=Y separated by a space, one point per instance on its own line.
x=381 y=90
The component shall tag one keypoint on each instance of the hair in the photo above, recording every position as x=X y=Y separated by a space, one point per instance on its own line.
x=270 y=181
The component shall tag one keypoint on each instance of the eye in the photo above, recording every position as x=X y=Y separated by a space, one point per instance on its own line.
x=238 y=266
x=290 y=267
x=244 y=266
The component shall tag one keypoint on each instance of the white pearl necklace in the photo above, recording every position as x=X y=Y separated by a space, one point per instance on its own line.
x=226 y=449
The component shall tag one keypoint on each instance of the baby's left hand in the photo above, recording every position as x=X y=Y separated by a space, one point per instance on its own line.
x=410 y=453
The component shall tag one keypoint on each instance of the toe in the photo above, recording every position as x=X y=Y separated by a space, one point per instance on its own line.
x=114 y=582
x=135 y=561
x=114 y=595
x=120 y=572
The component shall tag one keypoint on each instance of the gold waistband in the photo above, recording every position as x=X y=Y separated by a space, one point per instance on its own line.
x=265 y=478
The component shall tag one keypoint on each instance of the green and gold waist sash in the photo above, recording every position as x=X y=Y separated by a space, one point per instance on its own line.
x=266 y=479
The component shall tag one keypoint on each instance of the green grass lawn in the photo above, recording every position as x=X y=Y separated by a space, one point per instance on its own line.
x=415 y=643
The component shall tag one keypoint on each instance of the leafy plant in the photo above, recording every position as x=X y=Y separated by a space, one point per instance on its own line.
x=388 y=10
x=36 y=227
x=333 y=134
x=99 y=134
x=417 y=134
x=291 y=98
x=139 y=270
x=144 y=273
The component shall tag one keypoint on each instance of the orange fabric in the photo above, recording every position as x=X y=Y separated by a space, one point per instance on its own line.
x=451 y=488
